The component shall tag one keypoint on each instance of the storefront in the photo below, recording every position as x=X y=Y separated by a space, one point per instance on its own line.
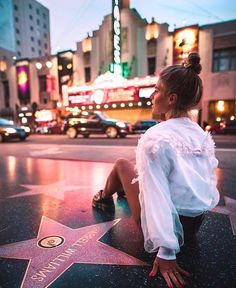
x=118 y=97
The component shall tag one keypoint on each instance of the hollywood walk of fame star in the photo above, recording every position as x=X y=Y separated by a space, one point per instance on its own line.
x=228 y=209
x=57 y=247
x=56 y=190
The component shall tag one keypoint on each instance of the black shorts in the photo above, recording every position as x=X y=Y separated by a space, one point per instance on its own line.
x=190 y=226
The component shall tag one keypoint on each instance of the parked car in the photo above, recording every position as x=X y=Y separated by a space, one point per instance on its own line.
x=86 y=123
x=141 y=126
x=54 y=128
x=215 y=128
x=229 y=127
x=225 y=127
x=8 y=130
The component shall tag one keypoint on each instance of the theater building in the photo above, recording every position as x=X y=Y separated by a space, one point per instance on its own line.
x=115 y=68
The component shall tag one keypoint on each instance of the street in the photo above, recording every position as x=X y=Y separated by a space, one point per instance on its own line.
x=222 y=141
x=47 y=183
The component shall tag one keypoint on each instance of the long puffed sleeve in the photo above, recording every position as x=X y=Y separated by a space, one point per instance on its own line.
x=159 y=218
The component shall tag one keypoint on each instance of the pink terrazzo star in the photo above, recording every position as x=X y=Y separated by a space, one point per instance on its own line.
x=56 y=190
x=57 y=247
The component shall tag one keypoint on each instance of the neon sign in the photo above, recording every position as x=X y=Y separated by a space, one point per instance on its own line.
x=23 y=85
x=116 y=37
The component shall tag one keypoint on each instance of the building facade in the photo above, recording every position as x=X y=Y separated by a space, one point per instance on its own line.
x=32 y=29
x=218 y=53
x=25 y=34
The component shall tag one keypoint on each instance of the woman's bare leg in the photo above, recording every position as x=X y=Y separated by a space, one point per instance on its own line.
x=122 y=175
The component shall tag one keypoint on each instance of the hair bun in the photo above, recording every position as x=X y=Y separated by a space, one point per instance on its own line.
x=193 y=62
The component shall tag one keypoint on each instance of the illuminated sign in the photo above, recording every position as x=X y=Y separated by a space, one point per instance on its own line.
x=50 y=83
x=185 y=40
x=116 y=33
x=121 y=95
x=146 y=92
x=23 y=84
x=65 y=68
x=43 y=115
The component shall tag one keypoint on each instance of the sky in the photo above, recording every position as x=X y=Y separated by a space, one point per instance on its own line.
x=72 y=20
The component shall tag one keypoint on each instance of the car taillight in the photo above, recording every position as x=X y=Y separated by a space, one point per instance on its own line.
x=207 y=128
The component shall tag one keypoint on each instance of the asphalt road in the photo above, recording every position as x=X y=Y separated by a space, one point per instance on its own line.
x=222 y=141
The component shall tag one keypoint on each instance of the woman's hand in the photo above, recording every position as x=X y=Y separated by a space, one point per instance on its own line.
x=170 y=271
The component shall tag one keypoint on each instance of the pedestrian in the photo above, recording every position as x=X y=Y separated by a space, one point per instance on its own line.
x=173 y=183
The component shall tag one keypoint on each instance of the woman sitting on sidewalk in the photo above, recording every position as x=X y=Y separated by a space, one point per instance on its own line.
x=173 y=183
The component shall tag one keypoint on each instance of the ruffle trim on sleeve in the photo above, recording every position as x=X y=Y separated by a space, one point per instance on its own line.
x=177 y=144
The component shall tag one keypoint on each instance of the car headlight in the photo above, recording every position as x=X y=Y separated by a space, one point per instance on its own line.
x=26 y=128
x=10 y=130
x=120 y=124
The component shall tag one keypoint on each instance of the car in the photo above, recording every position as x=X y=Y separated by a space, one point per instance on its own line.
x=50 y=127
x=54 y=128
x=225 y=127
x=229 y=127
x=9 y=130
x=86 y=123
x=215 y=128
x=141 y=126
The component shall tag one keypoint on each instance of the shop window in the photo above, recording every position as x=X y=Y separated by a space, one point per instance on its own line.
x=124 y=40
x=151 y=47
x=224 y=60
x=6 y=93
x=42 y=83
x=87 y=72
x=87 y=58
x=151 y=65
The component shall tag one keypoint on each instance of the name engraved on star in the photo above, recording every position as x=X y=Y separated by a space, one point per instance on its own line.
x=64 y=256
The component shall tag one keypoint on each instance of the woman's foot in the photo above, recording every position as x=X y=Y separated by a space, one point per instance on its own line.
x=103 y=203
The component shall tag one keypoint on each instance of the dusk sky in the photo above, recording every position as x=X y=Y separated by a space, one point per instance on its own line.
x=71 y=20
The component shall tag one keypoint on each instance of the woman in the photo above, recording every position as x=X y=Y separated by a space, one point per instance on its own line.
x=175 y=164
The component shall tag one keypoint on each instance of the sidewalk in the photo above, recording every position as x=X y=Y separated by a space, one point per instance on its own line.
x=51 y=237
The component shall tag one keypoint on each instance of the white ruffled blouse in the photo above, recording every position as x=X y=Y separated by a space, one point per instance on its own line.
x=176 y=164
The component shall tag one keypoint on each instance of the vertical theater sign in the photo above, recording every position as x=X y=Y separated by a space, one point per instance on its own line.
x=116 y=35
x=65 y=68
x=185 y=40
x=23 y=82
